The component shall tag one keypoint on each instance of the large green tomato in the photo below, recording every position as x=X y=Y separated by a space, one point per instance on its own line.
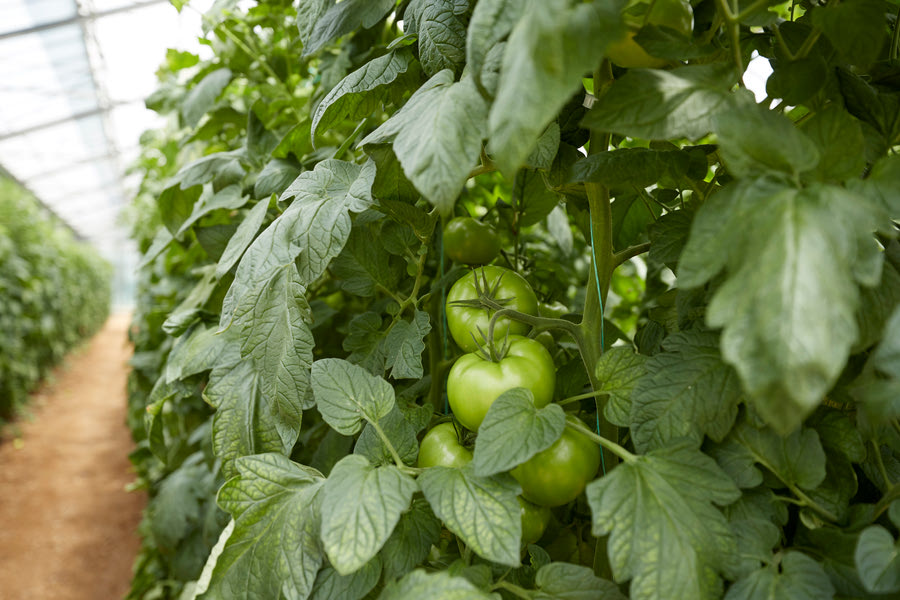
x=509 y=289
x=674 y=14
x=475 y=382
x=557 y=475
x=441 y=448
x=470 y=242
x=534 y=521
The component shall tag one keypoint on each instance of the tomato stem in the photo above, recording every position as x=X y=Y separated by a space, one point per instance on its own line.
x=604 y=442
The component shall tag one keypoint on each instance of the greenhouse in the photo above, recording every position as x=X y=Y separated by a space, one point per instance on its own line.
x=452 y=299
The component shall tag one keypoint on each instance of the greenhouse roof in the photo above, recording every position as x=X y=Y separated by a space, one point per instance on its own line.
x=75 y=74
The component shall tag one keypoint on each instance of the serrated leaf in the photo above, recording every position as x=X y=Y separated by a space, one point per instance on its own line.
x=630 y=167
x=193 y=353
x=755 y=540
x=331 y=585
x=308 y=14
x=797 y=459
x=799 y=578
x=441 y=29
x=404 y=346
x=228 y=198
x=514 y=430
x=655 y=104
x=398 y=430
x=482 y=511
x=491 y=21
x=202 y=96
x=242 y=238
x=564 y=581
x=175 y=509
x=314 y=228
x=275 y=336
x=245 y=422
x=664 y=532
x=738 y=461
x=409 y=544
x=363 y=266
x=441 y=584
x=275 y=177
x=361 y=506
x=687 y=391
x=346 y=395
x=882 y=184
x=360 y=92
x=548 y=51
x=545 y=150
x=789 y=300
x=437 y=160
x=668 y=235
x=274 y=549
x=340 y=19
x=754 y=140
x=365 y=342
x=617 y=371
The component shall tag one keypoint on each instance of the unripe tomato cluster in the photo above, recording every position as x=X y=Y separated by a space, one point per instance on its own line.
x=553 y=477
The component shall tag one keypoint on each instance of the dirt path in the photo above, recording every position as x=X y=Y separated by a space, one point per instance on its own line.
x=67 y=525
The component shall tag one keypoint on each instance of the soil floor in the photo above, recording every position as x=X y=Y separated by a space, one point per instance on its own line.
x=67 y=523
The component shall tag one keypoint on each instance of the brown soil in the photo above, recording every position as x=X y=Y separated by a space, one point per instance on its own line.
x=67 y=523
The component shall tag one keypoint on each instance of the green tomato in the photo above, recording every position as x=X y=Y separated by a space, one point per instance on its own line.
x=471 y=242
x=534 y=521
x=441 y=448
x=475 y=382
x=557 y=475
x=674 y=14
x=467 y=324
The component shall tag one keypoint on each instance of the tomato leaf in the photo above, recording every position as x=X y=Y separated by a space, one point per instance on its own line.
x=514 y=430
x=340 y=19
x=281 y=553
x=355 y=96
x=275 y=177
x=361 y=504
x=347 y=394
x=441 y=584
x=242 y=238
x=405 y=344
x=797 y=459
x=229 y=198
x=840 y=143
x=788 y=303
x=618 y=370
x=548 y=51
x=438 y=159
x=799 y=578
x=491 y=21
x=409 y=544
x=564 y=581
x=482 y=511
x=686 y=391
x=854 y=28
x=398 y=429
x=664 y=532
x=878 y=560
x=331 y=585
x=202 y=96
x=631 y=167
x=655 y=104
x=441 y=29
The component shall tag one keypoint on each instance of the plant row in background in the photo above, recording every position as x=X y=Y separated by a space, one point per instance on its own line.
x=54 y=292
x=521 y=299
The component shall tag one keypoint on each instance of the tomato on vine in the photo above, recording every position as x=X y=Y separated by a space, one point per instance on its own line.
x=557 y=475
x=469 y=323
x=469 y=241
x=475 y=381
x=673 y=14
x=441 y=448
x=534 y=521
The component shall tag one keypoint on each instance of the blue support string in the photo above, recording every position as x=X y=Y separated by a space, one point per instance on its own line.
x=602 y=326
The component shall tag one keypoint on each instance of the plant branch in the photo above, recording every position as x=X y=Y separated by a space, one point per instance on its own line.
x=605 y=443
x=629 y=253
x=810 y=503
x=387 y=442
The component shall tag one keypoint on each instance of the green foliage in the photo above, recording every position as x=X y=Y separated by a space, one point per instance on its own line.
x=726 y=274
x=54 y=292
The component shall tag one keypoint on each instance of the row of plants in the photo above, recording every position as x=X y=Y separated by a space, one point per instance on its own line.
x=54 y=293
x=521 y=299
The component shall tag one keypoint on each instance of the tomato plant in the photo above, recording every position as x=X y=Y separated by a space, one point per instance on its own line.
x=534 y=521
x=727 y=256
x=471 y=242
x=477 y=379
x=469 y=324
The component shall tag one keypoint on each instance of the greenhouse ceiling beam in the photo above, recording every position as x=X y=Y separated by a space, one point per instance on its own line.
x=62 y=120
x=79 y=18
x=54 y=215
